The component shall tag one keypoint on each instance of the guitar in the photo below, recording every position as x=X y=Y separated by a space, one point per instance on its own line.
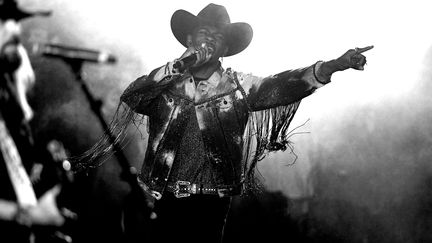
x=39 y=214
x=43 y=213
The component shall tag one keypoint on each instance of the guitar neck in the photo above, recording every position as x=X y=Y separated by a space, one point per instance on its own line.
x=20 y=180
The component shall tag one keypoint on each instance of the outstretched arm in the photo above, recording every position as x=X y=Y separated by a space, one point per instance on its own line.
x=353 y=58
x=293 y=85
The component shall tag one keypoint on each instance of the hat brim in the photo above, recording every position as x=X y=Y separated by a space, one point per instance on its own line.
x=237 y=35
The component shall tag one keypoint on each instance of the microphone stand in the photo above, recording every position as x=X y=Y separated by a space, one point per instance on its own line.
x=128 y=172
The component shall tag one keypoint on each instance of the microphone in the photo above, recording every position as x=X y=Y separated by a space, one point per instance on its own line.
x=188 y=61
x=185 y=62
x=69 y=53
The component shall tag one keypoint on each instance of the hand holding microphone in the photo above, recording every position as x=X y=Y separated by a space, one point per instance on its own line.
x=192 y=57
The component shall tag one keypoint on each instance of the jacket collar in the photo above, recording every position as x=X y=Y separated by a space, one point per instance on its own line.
x=207 y=71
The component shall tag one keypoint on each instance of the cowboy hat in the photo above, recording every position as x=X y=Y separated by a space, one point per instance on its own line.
x=9 y=10
x=237 y=35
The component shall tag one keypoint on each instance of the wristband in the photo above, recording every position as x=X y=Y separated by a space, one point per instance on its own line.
x=315 y=75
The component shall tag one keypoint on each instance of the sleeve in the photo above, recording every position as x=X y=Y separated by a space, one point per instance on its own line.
x=141 y=92
x=273 y=102
x=281 y=89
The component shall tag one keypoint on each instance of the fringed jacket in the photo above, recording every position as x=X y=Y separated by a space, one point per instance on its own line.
x=211 y=131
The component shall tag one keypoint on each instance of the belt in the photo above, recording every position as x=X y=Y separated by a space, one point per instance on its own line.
x=186 y=188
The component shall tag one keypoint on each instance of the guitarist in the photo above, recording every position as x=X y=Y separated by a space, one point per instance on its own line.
x=23 y=205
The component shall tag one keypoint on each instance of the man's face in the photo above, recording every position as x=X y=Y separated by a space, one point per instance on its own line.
x=212 y=38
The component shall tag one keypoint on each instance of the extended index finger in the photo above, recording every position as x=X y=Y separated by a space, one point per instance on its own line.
x=361 y=50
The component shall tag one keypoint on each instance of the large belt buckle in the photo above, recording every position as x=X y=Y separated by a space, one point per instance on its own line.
x=182 y=189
